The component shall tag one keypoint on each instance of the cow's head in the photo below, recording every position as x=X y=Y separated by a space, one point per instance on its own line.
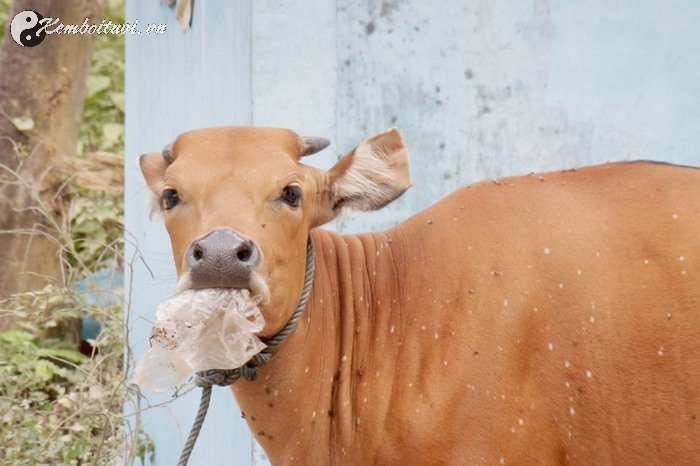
x=239 y=205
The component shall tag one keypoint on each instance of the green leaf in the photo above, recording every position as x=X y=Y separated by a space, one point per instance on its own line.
x=16 y=337
x=43 y=371
x=64 y=354
x=97 y=84
x=112 y=133
x=118 y=100
x=23 y=124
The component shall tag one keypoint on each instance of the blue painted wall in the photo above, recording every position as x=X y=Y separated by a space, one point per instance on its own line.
x=480 y=89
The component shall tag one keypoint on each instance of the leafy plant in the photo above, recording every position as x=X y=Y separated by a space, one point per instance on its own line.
x=96 y=226
x=96 y=217
x=103 y=115
x=59 y=406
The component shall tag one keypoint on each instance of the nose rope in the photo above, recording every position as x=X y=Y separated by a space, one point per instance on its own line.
x=250 y=370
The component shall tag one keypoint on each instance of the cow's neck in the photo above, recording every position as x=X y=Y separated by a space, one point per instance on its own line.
x=313 y=398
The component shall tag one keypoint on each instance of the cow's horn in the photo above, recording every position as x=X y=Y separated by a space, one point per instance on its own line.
x=168 y=153
x=313 y=144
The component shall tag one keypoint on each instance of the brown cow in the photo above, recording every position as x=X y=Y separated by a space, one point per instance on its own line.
x=543 y=319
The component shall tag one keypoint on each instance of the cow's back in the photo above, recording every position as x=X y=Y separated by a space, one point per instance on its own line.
x=552 y=318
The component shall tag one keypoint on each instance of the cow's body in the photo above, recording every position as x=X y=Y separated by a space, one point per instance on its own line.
x=544 y=319
x=532 y=320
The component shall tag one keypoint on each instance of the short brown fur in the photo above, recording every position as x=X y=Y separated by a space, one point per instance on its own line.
x=543 y=319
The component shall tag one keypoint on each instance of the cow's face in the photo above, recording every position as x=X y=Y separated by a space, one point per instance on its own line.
x=238 y=205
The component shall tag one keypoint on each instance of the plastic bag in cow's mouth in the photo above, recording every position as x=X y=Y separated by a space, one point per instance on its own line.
x=200 y=330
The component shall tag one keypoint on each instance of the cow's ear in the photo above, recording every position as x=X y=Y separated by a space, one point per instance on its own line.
x=372 y=175
x=153 y=166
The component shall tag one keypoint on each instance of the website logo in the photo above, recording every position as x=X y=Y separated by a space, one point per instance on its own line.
x=29 y=28
x=26 y=28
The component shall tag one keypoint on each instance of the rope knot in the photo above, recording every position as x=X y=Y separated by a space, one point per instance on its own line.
x=226 y=377
x=250 y=372
x=220 y=377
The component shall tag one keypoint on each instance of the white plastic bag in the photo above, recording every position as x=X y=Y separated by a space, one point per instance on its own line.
x=200 y=330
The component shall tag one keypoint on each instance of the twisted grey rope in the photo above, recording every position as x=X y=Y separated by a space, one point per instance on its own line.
x=250 y=370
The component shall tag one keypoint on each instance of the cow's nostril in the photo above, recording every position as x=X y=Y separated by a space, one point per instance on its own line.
x=197 y=252
x=244 y=252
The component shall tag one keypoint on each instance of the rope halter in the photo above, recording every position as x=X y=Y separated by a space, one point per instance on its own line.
x=251 y=369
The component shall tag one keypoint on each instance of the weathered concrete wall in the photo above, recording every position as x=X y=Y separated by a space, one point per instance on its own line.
x=483 y=89
x=480 y=89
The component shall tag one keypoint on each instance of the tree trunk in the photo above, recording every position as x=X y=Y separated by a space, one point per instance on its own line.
x=44 y=84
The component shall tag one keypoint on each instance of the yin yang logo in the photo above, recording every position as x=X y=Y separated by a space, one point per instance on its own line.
x=26 y=28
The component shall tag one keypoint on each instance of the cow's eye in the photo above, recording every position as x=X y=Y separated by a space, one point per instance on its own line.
x=291 y=195
x=169 y=199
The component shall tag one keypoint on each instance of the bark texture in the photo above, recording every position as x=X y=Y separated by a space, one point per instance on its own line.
x=44 y=84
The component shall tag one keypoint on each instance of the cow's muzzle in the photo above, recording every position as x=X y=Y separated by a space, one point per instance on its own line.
x=221 y=259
